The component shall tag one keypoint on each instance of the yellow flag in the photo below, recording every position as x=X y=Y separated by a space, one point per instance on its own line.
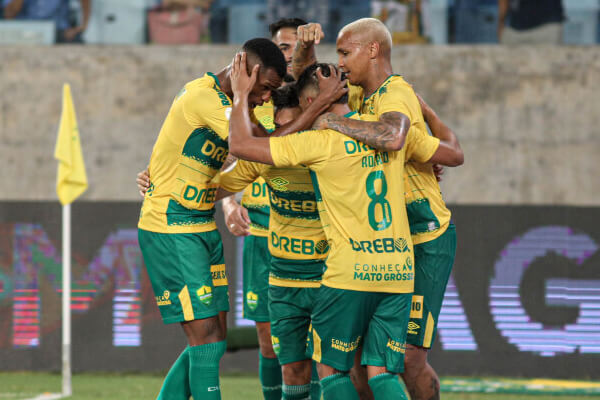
x=71 y=180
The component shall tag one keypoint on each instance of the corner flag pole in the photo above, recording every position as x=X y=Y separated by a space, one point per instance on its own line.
x=67 y=389
x=71 y=182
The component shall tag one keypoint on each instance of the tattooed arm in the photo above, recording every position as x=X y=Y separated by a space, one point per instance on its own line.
x=387 y=134
x=302 y=58
x=304 y=53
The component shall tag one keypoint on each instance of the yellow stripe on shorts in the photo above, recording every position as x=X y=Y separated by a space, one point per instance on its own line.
x=316 y=346
x=275 y=281
x=186 y=304
x=428 y=331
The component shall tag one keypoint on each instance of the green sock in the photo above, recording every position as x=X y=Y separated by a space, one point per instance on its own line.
x=176 y=384
x=315 y=384
x=338 y=387
x=269 y=372
x=296 y=392
x=204 y=370
x=387 y=386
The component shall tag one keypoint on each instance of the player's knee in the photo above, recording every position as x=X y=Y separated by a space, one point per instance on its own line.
x=263 y=331
x=297 y=373
x=415 y=359
x=325 y=370
x=202 y=331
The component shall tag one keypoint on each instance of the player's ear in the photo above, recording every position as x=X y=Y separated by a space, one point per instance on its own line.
x=373 y=49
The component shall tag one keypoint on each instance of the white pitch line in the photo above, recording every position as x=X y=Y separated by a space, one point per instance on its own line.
x=47 y=396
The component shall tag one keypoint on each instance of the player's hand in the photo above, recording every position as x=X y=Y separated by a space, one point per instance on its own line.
x=438 y=171
x=241 y=82
x=331 y=88
x=143 y=181
x=236 y=217
x=310 y=34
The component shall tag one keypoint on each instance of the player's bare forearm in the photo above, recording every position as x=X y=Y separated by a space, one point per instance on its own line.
x=236 y=216
x=387 y=134
x=242 y=143
x=302 y=58
x=449 y=152
x=227 y=199
x=305 y=120
x=307 y=36
x=228 y=162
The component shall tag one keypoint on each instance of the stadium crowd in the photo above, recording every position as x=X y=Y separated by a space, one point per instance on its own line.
x=410 y=21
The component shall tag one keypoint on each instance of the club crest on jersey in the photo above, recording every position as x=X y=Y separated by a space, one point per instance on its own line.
x=205 y=295
x=252 y=300
x=276 y=345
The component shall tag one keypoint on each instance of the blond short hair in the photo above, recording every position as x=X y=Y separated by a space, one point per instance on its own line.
x=372 y=30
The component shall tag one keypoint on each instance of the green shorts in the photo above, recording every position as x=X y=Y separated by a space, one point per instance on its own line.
x=433 y=264
x=344 y=319
x=257 y=261
x=187 y=272
x=290 y=309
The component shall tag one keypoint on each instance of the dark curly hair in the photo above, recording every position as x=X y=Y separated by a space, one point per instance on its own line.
x=285 y=23
x=309 y=79
x=268 y=53
x=285 y=97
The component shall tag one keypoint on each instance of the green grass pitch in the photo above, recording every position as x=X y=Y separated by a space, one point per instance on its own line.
x=20 y=386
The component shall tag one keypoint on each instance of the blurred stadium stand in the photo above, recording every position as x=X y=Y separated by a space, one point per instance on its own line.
x=581 y=26
x=117 y=22
x=250 y=21
x=442 y=21
x=475 y=21
x=435 y=21
x=27 y=32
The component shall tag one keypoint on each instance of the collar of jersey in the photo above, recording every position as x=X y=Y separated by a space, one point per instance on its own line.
x=382 y=83
x=350 y=114
x=215 y=78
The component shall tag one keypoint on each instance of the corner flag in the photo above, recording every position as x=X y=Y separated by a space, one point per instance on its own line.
x=71 y=180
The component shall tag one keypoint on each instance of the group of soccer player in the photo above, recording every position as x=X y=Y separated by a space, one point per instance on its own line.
x=349 y=245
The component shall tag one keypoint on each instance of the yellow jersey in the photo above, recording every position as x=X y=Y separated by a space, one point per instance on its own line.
x=255 y=197
x=256 y=200
x=427 y=213
x=355 y=97
x=190 y=149
x=364 y=219
x=295 y=230
x=265 y=115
